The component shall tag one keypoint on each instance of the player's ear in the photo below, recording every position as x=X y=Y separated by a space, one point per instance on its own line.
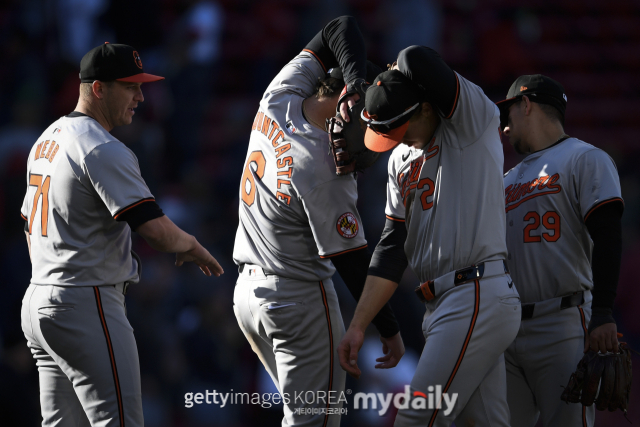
x=527 y=105
x=426 y=109
x=98 y=88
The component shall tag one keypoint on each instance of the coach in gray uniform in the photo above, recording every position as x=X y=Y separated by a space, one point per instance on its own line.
x=298 y=224
x=564 y=235
x=445 y=218
x=84 y=196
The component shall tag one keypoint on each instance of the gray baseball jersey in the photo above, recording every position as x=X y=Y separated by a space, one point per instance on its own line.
x=79 y=179
x=450 y=196
x=449 y=192
x=295 y=212
x=548 y=198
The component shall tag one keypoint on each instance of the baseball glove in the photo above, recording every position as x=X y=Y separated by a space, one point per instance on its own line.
x=346 y=140
x=612 y=371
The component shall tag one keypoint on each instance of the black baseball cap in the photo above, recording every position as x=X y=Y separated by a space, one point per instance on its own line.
x=109 y=62
x=389 y=104
x=538 y=88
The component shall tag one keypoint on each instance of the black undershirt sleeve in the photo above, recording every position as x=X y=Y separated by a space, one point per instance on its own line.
x=605 y=229
x=389 y=260
x=427 y=69
x=352 y=267
x=340 y=43
x=140 y=214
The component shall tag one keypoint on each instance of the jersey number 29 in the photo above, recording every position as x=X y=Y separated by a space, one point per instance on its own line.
x=550 y=221
x=42 y=189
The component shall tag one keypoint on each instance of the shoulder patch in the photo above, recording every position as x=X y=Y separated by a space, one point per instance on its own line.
x=347 y=225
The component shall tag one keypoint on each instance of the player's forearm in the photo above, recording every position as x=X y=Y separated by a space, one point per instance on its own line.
x=164 y=236
x=340 y=43
x=377 y=291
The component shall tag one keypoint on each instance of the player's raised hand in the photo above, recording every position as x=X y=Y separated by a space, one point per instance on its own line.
x=393 y=349
x=349 y=102
x=202 y=258
x=348 y=351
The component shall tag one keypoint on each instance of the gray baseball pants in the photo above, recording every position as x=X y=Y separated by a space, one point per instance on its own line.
x=86 y=355
x=540 y=362
x=295 y=327
x=467 y=329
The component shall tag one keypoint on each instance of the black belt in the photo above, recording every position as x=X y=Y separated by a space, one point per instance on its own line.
x=426 y=291
x=568 y=301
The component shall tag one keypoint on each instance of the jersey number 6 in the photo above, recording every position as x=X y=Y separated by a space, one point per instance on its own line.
x=248 y=184
x=42 y=189
x=546 y=222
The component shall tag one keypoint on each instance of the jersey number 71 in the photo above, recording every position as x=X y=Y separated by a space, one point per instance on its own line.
x=42 y=189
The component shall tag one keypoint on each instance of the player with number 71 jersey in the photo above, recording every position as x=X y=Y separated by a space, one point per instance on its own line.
x=548 y=198
x=74 y=240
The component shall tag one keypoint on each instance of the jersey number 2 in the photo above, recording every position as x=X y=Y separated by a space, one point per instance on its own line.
x=547 y=219
x=42 y=189
x=257 y=162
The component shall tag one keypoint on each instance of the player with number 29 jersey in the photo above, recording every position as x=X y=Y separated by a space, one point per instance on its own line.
x=548 y=198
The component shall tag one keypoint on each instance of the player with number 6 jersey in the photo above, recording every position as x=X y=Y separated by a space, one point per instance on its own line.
x=299 y=224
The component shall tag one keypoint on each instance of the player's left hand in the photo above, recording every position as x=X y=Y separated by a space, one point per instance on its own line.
x=348 y=351
x=348 y=102
x=603 y=338
x=393 y=349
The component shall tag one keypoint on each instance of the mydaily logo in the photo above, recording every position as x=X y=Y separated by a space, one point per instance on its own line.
x=434 y=399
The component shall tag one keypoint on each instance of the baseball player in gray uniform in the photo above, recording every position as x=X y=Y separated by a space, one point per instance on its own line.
x=563 y=207
x=445 y=217
x=84 y=196
x=298 y=224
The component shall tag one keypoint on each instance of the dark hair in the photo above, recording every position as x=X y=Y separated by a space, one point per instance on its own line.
x=552 y=113
x=328 y=87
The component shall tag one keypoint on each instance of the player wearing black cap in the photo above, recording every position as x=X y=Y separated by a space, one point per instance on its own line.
x=445 y=217
x=84 y=196
x=563 y=207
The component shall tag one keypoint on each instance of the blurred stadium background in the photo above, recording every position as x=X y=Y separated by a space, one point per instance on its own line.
x=191 y=133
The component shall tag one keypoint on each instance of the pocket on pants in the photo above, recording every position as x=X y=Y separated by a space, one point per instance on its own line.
x=279 y=305
x=53 y=310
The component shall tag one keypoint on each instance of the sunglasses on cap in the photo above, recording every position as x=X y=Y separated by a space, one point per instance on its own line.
x=384 y=126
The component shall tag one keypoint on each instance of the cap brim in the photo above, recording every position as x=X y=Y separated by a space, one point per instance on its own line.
x=506 y=103
x=141 y=78
x=381 y=142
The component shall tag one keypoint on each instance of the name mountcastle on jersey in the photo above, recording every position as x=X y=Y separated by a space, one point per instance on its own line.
x=295 y=212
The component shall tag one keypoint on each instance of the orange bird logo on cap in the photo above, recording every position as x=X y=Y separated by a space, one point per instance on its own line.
x=136 y=58
x=523 y=88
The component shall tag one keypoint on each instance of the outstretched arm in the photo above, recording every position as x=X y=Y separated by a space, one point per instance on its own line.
x=164 y=236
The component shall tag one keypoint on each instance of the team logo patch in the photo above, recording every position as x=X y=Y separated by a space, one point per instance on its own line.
x=290 y=127
x=136 y=58
x=347 y=225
